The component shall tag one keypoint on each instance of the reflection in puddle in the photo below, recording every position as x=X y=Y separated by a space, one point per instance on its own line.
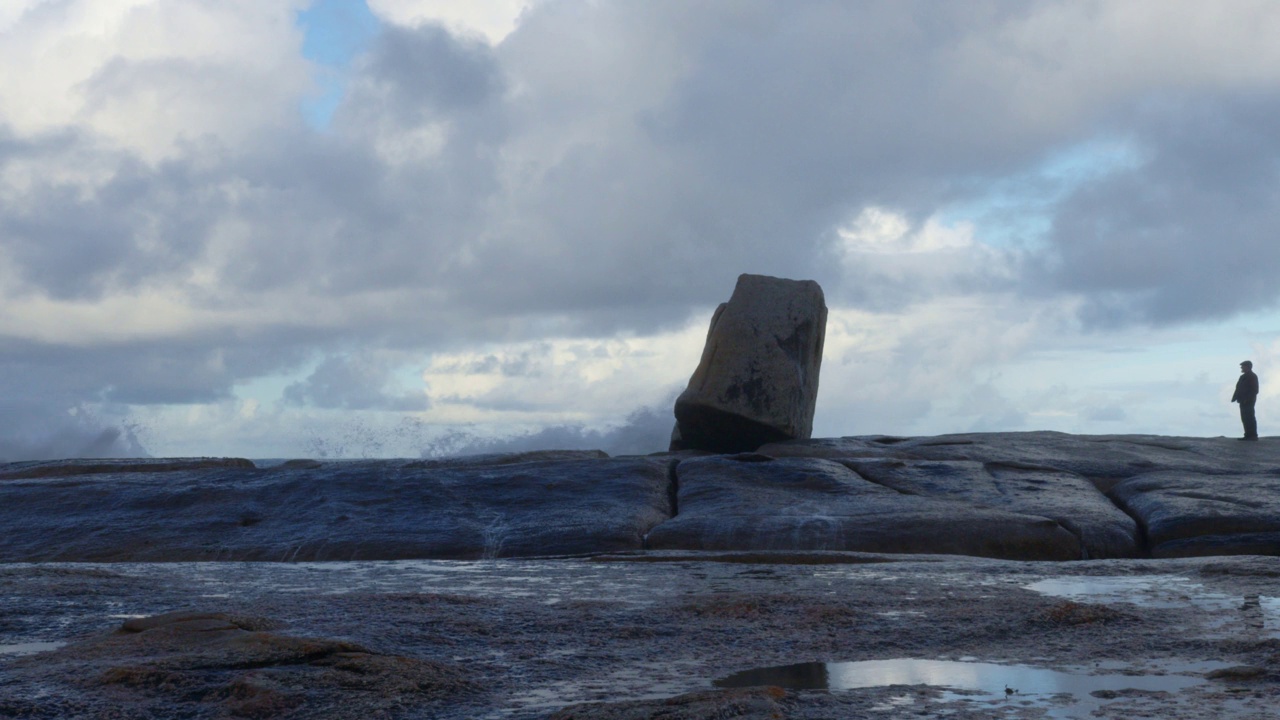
x=1256 y=612
x=970 y=681
x=30 y=648
x=1158 y=591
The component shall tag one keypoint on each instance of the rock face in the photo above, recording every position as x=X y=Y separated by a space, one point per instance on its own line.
x=1104 y=459
x=755 y=503
x=1191 y=514
x=757 y=381
x=1042 y=496
x=1104 y=531
x=346 y=510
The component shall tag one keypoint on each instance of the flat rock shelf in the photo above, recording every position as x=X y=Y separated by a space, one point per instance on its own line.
x=1016 y=496
x=1011 y=575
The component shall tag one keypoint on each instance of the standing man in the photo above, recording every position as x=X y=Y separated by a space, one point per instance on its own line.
x=1247 y=394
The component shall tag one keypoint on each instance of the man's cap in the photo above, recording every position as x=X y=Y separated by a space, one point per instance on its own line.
x=1246 y=363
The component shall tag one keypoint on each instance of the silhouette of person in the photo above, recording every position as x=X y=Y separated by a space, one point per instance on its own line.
x=1247 y=394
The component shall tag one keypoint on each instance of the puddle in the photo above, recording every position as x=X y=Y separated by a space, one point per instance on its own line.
x=30 y=648
x=1155 y=591
x=1254 y=612
x=1068 y=694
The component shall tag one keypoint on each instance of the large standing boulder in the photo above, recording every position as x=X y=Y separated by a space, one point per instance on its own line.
x=757 y=381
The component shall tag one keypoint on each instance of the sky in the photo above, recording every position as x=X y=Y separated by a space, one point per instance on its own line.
x=402 y=228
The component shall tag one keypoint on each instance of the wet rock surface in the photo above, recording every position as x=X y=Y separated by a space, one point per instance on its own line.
x=1188 y=514
x=1102 y=529
x=68 y=468
x=1104 y=459
x=749 y=704
x=1184 y=497
x=223 y=665
x=478 y=507
x=755 y=503
x=1024 y=496
x=612 y=638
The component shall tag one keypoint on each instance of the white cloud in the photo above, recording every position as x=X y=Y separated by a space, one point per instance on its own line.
x=492 y=19
x=561 y=380
x=1056 y=62
x=877 y=230
x=909 y=371
x=147 y=74
x=565 y=193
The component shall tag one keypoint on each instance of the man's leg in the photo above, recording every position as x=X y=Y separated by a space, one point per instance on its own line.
x=1249 y=420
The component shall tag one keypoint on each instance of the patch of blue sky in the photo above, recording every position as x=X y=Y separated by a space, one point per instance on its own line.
x=269 y=389
x=1017 y=211
x=409 y=379
x=335 y=32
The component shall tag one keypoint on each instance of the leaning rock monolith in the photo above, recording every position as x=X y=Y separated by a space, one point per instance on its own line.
x=757 y=381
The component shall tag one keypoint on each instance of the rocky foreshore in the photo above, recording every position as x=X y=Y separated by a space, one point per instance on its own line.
x=1018 y=496
x=859 y=577
x=643 y=636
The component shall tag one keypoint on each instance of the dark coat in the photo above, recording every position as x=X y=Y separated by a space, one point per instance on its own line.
x=1246 y=388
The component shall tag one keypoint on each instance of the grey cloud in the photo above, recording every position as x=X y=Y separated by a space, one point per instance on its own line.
x=611 y=167
x=780 y=121
x=142 y=224
x=646 y=213
x=427 y=71
x=349 y=382
x=788 y=118
x=139 y=372
x=68 y=438
x=1190 y=233
x=517 y=366
x=42 y=396
x=1106 y=413
x=891 y=282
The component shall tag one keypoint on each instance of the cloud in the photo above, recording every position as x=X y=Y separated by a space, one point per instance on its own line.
x=151 y=74
x=577 y=382
x=349 y=382
x=1188 y=234
x=492 y=19
x=427 y=71
x=1107 y=413
x=930 y=369
x=889 y=263
x=493 y=208
x=69 y=440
